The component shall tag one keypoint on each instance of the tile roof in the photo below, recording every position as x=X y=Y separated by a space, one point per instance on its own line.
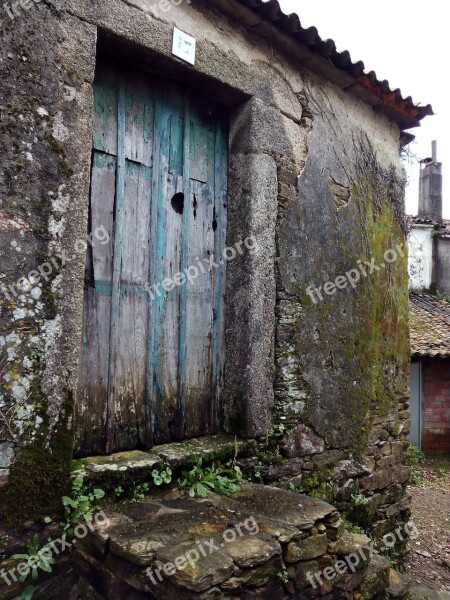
x=430 y=326
x=376 y=92
x=443 y=228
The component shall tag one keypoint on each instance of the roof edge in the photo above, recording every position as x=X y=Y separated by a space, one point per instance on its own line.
x=390 y=102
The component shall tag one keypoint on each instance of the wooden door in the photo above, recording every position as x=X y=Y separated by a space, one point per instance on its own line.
x=152 y=352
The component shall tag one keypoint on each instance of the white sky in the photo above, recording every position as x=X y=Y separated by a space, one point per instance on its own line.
x=405 y=43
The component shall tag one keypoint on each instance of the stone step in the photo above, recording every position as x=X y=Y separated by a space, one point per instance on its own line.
x=177 y=547
x=133 y=467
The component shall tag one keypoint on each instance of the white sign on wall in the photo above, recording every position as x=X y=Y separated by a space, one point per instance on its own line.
x=184 y=46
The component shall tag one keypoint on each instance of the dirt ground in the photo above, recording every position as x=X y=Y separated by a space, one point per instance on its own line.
x=428 y=560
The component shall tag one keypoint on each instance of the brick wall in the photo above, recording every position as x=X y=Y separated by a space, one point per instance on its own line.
x=436 y=396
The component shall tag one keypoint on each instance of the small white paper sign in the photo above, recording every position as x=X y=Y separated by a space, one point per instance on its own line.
x=184 y=46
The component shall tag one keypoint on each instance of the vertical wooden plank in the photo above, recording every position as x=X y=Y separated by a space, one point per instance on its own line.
x=199 y=308
x=199 y=145
x=89 y=419
x=118 y=235
x=166 y=368
x=128 y=371
x=161 y=406
x=129 y=347
x=105 y=108
x=139 y=119
x=182 y=349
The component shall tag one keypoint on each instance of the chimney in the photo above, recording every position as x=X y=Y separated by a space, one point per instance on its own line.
x=430 y=187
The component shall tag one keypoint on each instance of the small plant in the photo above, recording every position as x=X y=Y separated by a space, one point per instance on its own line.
x=283 y=574
x=392 y=555
x=139 y=492
x=81 y=505
x=416 y=478
x=257 y=475
x=118 y=491
x=414 y=455
x=277 y=430
x=308 y=484
x=38 y=560
x=442 y=472
x=201 y=482
x=163 y=476
x=353 y=528
x=360 y=500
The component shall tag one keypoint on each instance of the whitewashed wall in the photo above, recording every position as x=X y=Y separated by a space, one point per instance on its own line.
x=420 y=264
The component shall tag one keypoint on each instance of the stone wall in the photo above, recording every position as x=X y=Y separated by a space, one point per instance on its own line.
x=46 y=98
x=313 y=175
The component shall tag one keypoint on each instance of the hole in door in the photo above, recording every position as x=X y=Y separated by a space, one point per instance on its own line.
x=178 y=203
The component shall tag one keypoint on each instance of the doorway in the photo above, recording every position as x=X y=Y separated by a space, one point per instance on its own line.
x=153 y=336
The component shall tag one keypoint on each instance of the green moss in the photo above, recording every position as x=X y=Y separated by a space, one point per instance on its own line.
x=50 y=301
x=377 y=343
x=40 y=474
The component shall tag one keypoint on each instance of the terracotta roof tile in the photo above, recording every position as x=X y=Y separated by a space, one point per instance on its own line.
x=430 y=326
x=400 y=108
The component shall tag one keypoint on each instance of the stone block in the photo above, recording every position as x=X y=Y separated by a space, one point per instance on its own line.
x=302 y=441
x=399 y=584
x=252 y=551
x=289 y=468
x=307 y=549
x=385 y=477
x=377 y=578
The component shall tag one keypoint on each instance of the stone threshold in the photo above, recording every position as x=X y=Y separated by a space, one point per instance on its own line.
x=135 y=466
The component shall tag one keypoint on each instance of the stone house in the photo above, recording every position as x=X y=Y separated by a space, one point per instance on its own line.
x=197 y=200
x=429 y=271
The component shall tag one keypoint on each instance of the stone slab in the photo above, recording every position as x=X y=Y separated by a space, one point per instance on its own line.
x=189 y=452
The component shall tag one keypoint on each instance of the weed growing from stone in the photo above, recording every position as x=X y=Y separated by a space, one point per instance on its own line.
x=283 y=574
x=359 y=500
x=201 y=481
x=353 y=527
x=38 y=560
x=393 y=555
x=162 y=476
x=81 y=505
x=118 y=491
x=139 y=492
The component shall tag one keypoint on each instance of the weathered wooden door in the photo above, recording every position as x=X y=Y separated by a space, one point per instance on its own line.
x=153 y=342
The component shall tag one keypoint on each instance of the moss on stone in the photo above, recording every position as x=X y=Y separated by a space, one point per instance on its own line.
x=40 y=474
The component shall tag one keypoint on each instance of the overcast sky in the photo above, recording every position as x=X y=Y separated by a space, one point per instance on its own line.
x=405 y=43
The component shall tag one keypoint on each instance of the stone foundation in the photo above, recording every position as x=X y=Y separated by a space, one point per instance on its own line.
x=263 y=542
